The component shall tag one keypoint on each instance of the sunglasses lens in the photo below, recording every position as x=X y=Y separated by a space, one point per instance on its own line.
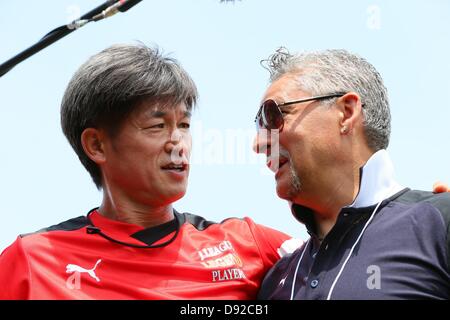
x=259 y=119
x=271 y=115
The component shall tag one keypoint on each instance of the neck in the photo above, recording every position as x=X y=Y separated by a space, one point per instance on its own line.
x=122 y=208
x=337 y=195
x=340 y=188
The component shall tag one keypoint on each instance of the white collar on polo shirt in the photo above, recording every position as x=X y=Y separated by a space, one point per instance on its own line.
x=377 y=182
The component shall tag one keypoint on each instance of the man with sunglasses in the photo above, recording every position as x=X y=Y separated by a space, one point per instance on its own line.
x=324 y=126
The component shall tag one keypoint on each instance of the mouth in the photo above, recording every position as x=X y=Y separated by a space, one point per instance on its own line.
x=181 y=167
x=282 y=161
x=275 y=164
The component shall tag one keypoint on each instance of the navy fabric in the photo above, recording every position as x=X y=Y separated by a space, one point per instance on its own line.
x=403 y=254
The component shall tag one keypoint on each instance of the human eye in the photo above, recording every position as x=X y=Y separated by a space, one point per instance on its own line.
x=284 y=111
x=156 y=126
x=185 y=125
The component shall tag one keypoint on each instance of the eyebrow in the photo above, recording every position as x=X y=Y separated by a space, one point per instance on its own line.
x=187 y=114
x=158 y=114
x=162 y=114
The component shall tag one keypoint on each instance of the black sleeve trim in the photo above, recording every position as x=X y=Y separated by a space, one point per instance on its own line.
x=198 y=222
x=69 y=225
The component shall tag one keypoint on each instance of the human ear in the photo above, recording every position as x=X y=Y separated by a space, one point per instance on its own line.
x=92 y=141
x=350 y=111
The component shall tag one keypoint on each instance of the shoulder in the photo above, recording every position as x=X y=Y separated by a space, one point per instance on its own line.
x=198 y=222
x=246 y=229
x=201 y=223
x=431 y=214
x=68 y=225
x=417 y=196
x=279 y=278
x=440 y=202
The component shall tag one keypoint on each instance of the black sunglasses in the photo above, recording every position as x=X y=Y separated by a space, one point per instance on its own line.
x=270 y=116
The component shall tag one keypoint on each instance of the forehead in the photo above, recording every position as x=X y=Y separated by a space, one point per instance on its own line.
x=284 y=88
x=160 y=109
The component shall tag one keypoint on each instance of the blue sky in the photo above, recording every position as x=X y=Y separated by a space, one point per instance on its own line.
x=220 y=44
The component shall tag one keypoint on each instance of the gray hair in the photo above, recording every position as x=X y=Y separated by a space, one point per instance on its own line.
x=111 y=84
x=330 y=71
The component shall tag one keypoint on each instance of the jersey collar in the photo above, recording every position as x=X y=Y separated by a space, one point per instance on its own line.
x=131 y=233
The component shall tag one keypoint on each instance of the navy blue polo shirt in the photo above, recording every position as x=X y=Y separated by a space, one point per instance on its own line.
x=402 y=253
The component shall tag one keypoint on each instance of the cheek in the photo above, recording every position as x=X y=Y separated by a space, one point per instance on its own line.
x=141 y=156
x=292 y=141
x=187 y=144
x=301 y=148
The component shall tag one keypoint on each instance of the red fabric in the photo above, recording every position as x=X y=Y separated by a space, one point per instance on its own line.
x=227 y=260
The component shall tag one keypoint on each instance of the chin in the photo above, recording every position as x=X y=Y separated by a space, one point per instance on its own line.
x=283 y=192
x=176 y=195
x=288 y=191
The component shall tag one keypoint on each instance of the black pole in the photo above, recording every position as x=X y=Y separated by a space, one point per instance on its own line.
x=50 y=38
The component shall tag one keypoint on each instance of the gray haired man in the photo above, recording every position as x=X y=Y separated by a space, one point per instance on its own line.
x=371 y=238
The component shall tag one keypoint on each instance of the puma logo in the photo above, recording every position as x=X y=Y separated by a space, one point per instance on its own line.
x=71 y=268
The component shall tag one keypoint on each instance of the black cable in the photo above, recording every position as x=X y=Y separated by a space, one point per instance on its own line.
x=50 y=38
x=127 y=5
x=104 y=10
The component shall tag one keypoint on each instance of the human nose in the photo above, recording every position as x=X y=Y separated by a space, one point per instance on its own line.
x=268 y=143
x=178 y=147
x=262 y=141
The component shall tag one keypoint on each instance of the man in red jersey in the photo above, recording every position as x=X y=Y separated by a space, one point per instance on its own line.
x=126 y=112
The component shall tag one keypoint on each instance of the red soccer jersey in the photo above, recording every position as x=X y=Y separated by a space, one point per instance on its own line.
x=197 y=259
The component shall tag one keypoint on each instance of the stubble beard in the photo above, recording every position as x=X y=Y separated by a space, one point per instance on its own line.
x=295 y=182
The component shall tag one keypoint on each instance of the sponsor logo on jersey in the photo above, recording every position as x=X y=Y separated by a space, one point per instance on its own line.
x=214 y=251
x=219 y=257
x=230 y=259
x=228 y=274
